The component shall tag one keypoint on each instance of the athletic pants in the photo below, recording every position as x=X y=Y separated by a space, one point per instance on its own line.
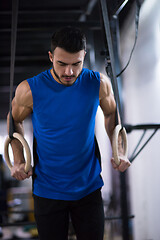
x=87 y=216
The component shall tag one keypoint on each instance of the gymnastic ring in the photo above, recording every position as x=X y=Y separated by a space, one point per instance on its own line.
x=26 y=147
x=119 y=129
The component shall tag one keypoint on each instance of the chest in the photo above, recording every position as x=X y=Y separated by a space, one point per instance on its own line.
x=66 y=107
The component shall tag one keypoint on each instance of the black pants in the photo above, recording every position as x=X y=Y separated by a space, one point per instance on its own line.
x=87 y=216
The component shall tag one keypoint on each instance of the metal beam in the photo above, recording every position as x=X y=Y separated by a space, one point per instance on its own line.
x=55 y=11
x=88 y=10
x=25 y=58
x=119 y=9
x=6 y=89
x=93 y=25
x=111 y=63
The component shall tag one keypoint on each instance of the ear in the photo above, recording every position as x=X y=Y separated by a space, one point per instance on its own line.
x=50 y=56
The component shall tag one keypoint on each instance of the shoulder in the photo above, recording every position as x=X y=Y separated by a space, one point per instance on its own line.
x=90 y=73
x=105 y=86
x=104 y=80
x=23 y=94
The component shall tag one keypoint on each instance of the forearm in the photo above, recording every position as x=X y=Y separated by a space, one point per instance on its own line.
x=110 y=125
x=17 y=147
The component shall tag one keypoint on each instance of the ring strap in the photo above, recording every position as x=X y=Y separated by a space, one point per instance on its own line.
x=12 y=133
x=26 y=148
x=117 y=131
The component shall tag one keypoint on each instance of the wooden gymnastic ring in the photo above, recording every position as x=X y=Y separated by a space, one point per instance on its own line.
x=26 y=147
x=119 y=129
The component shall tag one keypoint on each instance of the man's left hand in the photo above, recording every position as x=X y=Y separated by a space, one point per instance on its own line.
x=124 y=164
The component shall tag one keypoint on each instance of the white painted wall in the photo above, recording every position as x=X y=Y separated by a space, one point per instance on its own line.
x=142 y=99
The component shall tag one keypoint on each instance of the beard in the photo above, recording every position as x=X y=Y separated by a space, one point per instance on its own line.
x=66 y=84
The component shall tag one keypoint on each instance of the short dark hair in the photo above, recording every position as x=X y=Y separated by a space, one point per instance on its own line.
x=70 y=39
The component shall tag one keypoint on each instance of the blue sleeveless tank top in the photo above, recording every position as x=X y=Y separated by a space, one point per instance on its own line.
x=63 y=125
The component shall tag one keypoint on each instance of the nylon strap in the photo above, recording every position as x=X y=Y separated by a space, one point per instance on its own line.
x=12 y=61
x=111 y=61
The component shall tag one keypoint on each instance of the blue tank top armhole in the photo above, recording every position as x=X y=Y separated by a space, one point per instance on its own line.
x=96 y=77
x=30 y=82
x=93 y=76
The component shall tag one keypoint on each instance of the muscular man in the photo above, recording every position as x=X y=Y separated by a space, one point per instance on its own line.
x=63 y=102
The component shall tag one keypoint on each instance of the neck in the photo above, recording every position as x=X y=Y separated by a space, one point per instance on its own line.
x=54 y=76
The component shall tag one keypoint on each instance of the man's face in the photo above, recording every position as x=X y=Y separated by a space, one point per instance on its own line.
x=66 y=66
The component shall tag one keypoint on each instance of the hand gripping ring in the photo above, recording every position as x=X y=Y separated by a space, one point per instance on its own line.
x=119 y=130
x=26 y=147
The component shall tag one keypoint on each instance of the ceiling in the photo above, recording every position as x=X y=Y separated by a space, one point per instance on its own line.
x=37 y=20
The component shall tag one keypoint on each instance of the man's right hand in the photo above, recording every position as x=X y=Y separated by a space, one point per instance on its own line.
x=17 y=171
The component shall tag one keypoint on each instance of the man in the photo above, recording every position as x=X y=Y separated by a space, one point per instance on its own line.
x=63 y=102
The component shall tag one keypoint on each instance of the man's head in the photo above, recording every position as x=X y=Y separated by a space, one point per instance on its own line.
x=68 y=46
x=71 y=39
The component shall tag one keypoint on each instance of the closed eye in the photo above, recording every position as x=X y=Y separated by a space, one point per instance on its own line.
x=62 y=63
x=65 y=64
x=76 y=64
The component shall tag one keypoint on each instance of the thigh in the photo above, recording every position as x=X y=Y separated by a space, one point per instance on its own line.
x=87 y=217
x=52 y=218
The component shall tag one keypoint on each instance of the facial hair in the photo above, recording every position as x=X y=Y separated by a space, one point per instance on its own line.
x=66 y=76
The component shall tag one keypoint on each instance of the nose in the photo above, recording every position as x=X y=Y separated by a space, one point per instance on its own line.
x=68 y=71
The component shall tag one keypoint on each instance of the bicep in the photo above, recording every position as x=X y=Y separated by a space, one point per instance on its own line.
x=19 y=112
x=22 y=102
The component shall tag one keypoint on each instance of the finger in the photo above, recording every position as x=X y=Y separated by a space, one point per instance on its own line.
x=122 y=168
x=18 y=174
x=124 y=164
x=21 y=176
x=18 y=177
x=114 y=165
x=29 y=174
